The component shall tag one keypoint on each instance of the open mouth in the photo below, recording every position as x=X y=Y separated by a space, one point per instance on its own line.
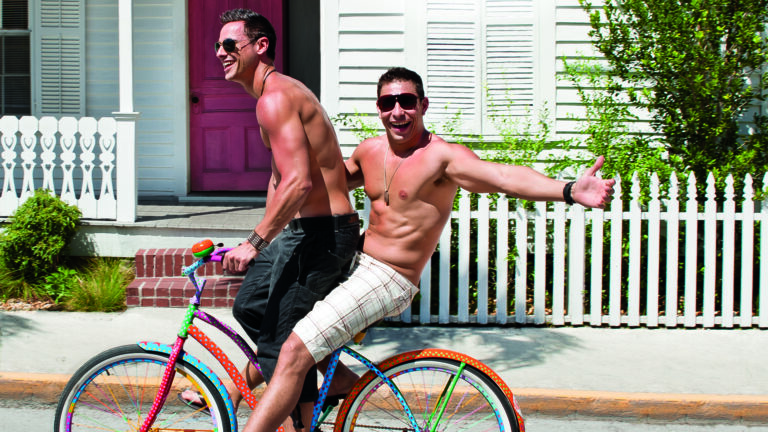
x=400 y=126
x=227 y=64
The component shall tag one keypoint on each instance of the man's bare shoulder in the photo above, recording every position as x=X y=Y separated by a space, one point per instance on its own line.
x=274 y=107
x=447 y=151
x=369 y=145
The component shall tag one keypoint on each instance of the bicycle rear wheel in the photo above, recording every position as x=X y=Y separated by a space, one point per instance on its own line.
x=116 y=389
x=473 y=402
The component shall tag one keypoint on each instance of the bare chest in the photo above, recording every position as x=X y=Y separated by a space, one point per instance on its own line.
x=405 y=181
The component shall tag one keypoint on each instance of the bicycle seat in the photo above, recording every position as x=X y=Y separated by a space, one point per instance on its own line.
x=358 y=338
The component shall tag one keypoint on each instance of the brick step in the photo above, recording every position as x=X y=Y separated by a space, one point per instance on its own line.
x=154 y=263
x=176 y=292
x=159 y=283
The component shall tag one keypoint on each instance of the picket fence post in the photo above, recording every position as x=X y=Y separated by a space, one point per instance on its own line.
x=747 y=253
x=633 y=284
x=729 y=234
x=654 y=239
x=691 y=218
x=710 y=253
x=673 y=252
x=763 y=319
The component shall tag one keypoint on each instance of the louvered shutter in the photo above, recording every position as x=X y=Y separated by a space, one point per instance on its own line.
x=454 y=67
x=480 y=60
x=60 y=61
x=509 y=53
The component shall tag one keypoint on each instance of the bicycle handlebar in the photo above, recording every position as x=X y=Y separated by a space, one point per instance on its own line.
x=216 y=254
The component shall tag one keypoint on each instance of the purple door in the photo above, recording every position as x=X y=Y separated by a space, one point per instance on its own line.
x=226 y=150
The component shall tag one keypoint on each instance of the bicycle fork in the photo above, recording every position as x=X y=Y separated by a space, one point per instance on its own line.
x=329 y=375
x=445 y=396
x=170 y=371
x=178 y=346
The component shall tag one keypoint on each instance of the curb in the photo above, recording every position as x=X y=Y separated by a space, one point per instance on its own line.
x=46 y=388
x=657 y=406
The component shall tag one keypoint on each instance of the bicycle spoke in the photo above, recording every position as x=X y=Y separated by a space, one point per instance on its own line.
x=117 y=392
x=443 y=396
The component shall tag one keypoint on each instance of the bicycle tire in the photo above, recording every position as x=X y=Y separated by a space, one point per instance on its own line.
x=116 y=389
x=476 y=404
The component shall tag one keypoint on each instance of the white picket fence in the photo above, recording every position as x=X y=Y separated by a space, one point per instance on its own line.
x=73 y=157
x=583 y=271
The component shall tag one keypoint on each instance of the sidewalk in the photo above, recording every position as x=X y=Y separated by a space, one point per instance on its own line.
x=662 y=374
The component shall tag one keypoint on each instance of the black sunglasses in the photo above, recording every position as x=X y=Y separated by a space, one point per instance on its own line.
x=407 y=101
x=230 y=45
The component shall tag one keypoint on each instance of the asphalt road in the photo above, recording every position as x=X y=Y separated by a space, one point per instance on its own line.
x=33 y=417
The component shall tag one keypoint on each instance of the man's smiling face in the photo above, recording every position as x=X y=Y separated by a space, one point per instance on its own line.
x=240 y=64
x=402 y=122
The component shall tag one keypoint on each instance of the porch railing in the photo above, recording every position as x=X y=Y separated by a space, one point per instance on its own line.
x=669 y=262
x=75 y=158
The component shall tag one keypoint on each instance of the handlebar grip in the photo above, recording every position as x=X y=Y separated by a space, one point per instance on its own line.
x=218 y=254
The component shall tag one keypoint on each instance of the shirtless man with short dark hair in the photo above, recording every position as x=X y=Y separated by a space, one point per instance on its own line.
x=411 y=177
x=309 y=221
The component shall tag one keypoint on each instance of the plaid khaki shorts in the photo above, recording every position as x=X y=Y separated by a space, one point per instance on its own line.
x=371 y=291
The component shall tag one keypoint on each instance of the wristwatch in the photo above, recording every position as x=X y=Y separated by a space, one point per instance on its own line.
x=257 y=242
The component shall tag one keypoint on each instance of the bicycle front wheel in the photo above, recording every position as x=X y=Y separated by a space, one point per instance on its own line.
x=116 y=389
x=443 y=395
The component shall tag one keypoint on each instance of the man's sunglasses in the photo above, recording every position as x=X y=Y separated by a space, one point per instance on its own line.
x=230 y=45
x=407 y=101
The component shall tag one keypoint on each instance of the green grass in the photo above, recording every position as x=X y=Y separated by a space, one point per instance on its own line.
x=84 y=284
x=102 y=287
x=14 y=287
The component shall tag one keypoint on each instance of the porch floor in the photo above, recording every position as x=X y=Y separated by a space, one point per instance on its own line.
x=170 y=225
x=240 y=217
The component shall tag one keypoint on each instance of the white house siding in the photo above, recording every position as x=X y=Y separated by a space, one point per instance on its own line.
x=160 y=83
x=160 y=96
x=360 y=40
x=476 y=56
x=461 y=48
x=102 y=98
x=573 y=43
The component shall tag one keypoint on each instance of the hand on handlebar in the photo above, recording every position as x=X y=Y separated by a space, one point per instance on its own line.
x=238 y=259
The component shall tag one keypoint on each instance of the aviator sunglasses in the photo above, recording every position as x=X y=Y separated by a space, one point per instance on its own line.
x=230 y=45
x=407 y=101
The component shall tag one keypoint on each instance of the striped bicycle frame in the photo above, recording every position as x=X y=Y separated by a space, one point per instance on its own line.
x=189 y=329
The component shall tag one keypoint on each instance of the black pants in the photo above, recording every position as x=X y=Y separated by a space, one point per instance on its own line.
x=301 y=266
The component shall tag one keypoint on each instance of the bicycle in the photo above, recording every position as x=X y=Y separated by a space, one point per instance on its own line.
x=126 y=388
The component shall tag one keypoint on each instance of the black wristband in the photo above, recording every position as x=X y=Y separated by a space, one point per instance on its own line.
x=567 y=193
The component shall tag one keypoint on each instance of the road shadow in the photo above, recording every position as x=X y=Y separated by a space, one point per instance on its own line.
x=514 y=346
x=13 y=324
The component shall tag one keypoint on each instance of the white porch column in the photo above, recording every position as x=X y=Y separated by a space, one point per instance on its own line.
x=126 y=185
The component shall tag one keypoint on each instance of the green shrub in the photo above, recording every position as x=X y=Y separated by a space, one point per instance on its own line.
x=40 y=229
x=699 y=69
x=59 y=284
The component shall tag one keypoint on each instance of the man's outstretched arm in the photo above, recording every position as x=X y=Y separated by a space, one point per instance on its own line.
x=476 y=175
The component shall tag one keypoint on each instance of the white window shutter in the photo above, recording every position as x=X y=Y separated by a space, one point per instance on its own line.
x=509 y=58
x=480 y=60
x=60 y=58
x=454 y=66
